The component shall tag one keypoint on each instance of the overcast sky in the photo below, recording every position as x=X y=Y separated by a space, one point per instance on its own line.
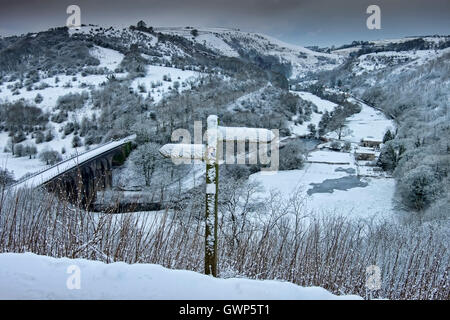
x=314 y=22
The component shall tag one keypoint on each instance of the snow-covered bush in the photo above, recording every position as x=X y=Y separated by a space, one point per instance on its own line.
x=38 y=99
x=146 y=159
x=291 y=156
x=76 y=141
x=21 y=116
x=19 y=150
x=39 y=137
x=6 y=178
x=60 y=117
x=30 y=150
x=71 y=101
x=50 y=157
x=49 y=135
x=347 y=146
x=419 y=187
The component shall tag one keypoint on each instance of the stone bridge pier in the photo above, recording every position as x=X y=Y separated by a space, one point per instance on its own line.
x=80 y=185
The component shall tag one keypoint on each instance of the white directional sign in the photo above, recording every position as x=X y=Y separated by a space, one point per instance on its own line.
x=251 y=135
x=183 y=151
x=210 y=155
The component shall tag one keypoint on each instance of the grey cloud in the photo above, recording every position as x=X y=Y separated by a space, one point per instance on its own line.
x=299 y=21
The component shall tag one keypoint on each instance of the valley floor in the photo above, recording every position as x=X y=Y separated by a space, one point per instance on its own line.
x=328 y=189
x=334 y=182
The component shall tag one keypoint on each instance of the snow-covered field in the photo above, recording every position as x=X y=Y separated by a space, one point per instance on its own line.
x=368 y=123
x=63 y=84
x=56 y=88
x=18 y=166
x=371 y=201
x=29 y=276
x=331 y=157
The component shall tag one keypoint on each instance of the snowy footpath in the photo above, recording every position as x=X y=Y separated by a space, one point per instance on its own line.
x=30 y=276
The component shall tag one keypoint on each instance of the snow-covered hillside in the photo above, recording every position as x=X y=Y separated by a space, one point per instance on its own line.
x=235 y=43
x=109 y=59
x=402 y=60
x=45 y=93
x=29 y=276
x=50 y=89
x=154 y=82
x=210 y=37
x=322 y=106
x=160 y=75
x=395 y=56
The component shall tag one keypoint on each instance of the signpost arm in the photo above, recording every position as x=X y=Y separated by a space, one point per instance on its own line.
x=212 y=188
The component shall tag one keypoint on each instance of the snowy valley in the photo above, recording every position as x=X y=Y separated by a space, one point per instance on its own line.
x=362 y=177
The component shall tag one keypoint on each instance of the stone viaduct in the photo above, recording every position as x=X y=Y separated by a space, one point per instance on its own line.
x=79 y=178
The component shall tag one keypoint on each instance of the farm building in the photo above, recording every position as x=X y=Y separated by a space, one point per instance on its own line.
x=365 y=154
x=370 y=143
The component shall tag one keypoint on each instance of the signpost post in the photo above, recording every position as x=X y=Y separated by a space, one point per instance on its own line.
x=210 y=155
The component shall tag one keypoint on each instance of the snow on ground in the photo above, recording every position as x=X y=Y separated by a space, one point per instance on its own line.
x=372 y=201
x=209 y=37
x=82 y=30
x=211 y=40
x=400 y=60
x=155 y=74
x=420 y=58
x=322 y=106
x=331 y=157
x=126 y=178
x=23 y=165
x=66 y=84
x=219 y=40
x=30 y=276
x=57 y=86
x=369 y=123
x=302 y=129
x=18 y=166
x=301 y=59
x=346 y=51
x=109 y=58
x=329 y=180
x=251 y=98
x=68 y=164
x=62 y=84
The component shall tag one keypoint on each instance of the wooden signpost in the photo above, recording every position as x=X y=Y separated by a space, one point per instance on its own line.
x=209 y=154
